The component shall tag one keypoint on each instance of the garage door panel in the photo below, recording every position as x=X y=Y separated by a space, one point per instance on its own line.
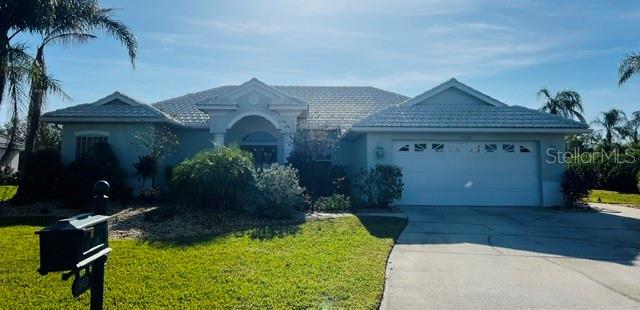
x=456 y=176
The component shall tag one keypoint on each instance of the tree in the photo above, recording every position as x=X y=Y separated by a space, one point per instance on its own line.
x=69 y=22
x=628 y=67
x=613 y=122
x=633 y=128
x=157 y=141
x=565 y=103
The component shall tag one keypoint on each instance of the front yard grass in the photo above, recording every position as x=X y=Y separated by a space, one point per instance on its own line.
x=338 y=263
x=614 y=197
x=7 y=192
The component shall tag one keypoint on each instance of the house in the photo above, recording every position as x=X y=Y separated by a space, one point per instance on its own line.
x=13 y=156
x=455 y=145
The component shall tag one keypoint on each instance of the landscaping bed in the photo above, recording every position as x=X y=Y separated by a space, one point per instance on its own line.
x=336 y=263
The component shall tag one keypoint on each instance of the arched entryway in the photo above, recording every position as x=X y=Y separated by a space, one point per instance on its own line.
x=258 y=136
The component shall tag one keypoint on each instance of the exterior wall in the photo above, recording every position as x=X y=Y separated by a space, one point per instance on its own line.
x=252 y=124
x=13 y=161
x=364 y=154
x=121 y=141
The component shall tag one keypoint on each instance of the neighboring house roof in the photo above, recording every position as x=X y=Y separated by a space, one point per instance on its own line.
x=116 y=107
x=331 y=106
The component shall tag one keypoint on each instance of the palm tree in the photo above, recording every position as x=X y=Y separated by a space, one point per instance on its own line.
x=613 y=122
x=71 y=23
x=628 y=67
x=565 y=103
x=633 y=128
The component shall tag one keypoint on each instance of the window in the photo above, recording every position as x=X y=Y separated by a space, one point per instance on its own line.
x=420 y=147
x=523 y=149
x=404 y=148
x=490 y=148
x=437 y=147
x=84 y=144
x=509 y=148
x=454 y=148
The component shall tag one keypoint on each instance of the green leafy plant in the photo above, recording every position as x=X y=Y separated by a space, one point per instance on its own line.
x=333 y=203
x=146 y=167
x=377 y=188
x=218 y=178
x=575 y=186
x=278 y=192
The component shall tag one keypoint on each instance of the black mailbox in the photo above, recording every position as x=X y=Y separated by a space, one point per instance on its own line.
x=73 y=243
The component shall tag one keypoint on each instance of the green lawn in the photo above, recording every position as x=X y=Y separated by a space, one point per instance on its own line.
x=336 y=263
x=614 y=197
x=7 y=192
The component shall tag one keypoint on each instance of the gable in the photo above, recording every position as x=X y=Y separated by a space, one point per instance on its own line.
x=116 y=102
x=454 y=97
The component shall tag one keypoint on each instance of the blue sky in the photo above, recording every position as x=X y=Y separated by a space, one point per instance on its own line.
x=506 y=49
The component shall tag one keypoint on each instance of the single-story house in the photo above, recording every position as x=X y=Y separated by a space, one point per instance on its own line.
x=455 y=145
x=14 y=153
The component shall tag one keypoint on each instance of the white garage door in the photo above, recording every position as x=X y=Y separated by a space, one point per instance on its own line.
x=500 y=173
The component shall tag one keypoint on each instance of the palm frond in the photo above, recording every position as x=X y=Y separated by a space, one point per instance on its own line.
x=70 y=38
x=628 y=67
x=103 y=20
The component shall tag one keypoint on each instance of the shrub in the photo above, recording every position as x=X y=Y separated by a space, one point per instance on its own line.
x=150 y=194
x=147 y=168
x=575 y=186
x=46 y=171
x=100 y=163
x=611 y=173
x=278 y=192
x=379 y=187
x=8 y=176
x=638 y=180
x=333 y=203
x=218 y=177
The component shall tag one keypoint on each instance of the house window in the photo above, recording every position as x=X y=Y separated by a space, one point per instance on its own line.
x=85 y=143
x=509 y=148
x=490 y=148
x=437 y=147
x=420 y=147
x=524 y=149
x=404 y=148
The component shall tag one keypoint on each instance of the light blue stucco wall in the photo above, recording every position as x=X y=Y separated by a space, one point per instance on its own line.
x=452 y=97
x=363 y=150
x=121 y=138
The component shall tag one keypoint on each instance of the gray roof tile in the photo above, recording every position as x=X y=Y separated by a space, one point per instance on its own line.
x=432 y=116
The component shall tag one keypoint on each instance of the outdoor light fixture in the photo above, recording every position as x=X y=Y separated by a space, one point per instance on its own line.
x=379 y=152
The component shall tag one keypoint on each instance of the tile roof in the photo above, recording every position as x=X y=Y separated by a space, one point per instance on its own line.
x=115 y=106
x=438 y=116
x=331 y=106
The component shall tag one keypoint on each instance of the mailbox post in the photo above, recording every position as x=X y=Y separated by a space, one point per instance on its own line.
x=79 y=246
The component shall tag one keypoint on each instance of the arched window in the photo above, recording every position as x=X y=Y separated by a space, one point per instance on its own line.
x=259 y=137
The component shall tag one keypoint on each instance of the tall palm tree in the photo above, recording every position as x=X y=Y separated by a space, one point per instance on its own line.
x=71 y=23
x=628 y=67
x=567 y=103
x=613 y=123
x=633 y=128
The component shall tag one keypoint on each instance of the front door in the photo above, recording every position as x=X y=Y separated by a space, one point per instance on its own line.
x=263 y=155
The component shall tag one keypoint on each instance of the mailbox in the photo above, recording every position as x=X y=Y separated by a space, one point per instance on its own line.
x=73 y=243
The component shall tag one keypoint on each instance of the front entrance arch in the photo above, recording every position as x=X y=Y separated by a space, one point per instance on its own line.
x=258 y=136
x=263 y=146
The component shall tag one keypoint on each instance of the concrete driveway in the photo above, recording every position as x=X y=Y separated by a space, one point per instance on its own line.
x=515 y=258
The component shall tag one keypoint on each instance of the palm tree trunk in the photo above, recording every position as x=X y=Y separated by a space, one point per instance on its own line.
x=37 y=92
x=4 y=50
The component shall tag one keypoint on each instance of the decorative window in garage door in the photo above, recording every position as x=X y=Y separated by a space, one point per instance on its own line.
x=490 y=148
x=508 y=148
x=420 y=147
x=524 y=149
x=437 y=147
x=454 y=148
x=474 y=148
x=404 y=148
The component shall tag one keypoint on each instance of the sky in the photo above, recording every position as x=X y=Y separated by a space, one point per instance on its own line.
x=505 y=49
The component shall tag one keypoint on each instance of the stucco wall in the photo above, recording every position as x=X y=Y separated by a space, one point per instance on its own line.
x=452 y=97
x=121 y=141
x=550 y=174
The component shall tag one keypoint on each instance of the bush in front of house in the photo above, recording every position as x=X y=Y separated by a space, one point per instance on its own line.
x=333 y=203
x=218 y=178
x=575 y=185
x=8 y=176
x=278 y=192
x=46 y=171
x=377 y=188
x=638 y=180
x=100 y=163
x=610 y=172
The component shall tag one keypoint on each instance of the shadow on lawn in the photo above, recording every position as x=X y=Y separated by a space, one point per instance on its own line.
x=383 y=226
